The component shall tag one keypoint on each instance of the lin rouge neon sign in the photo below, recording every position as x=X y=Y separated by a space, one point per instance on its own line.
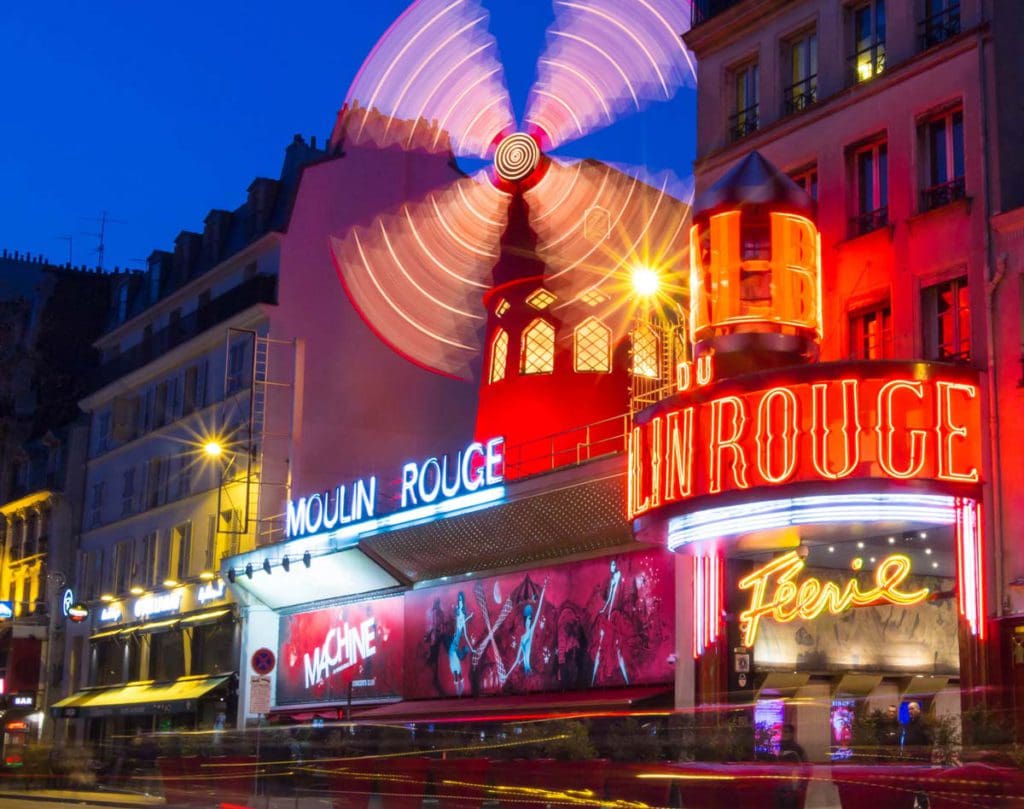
x=826 y=422
x=790 y=600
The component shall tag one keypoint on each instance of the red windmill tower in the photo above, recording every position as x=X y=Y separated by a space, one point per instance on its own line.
x=520 y=275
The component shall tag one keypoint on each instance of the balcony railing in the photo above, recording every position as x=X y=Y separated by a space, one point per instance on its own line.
x=868 y=62
x=939 y=27
x=261 y=289
x=743 y=123
x=704 y=10
x=801 y=95
x=942 y=194
x=869 y=221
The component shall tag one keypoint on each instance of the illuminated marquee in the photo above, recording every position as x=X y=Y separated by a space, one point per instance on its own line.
x=827 y=422
x=427 y=484
x=806 y=600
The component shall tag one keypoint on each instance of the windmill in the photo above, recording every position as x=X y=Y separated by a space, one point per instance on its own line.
x=518 y=275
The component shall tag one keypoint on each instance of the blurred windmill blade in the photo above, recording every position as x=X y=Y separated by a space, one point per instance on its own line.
x=606 y=59
x=417 y=276
x=432 y=82
x=597 y=223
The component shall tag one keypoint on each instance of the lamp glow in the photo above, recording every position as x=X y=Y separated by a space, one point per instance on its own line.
x=106 y=598
x=213 y=449
x=207 y=575
x=646 y=281
x=137 y=591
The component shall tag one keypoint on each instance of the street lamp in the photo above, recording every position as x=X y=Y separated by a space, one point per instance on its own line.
x=213 y=449
x=646 y=281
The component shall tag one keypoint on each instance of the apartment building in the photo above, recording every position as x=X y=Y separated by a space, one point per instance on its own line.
x=897 y=117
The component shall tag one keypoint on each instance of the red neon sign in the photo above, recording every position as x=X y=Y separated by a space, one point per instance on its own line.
x=827 y=422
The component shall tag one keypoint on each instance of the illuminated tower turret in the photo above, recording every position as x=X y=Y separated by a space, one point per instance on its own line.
x=756 y=270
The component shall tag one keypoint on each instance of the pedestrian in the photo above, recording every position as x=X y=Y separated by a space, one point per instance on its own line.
x=889 y=734
x=917 y=740
x=789 y=749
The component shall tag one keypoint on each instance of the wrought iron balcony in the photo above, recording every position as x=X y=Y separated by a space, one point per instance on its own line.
x=743 y=123
x=261 y=289
x=868 y=62
x=869 y=221
x=704 y=10
x=939 y=27
x=801 y=95
x=943 y=194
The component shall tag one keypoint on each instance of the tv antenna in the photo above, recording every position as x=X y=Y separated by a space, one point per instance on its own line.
x=104 y=219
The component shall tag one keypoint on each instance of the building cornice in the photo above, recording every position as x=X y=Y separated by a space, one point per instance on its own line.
x=35 y=500
x=1009 y=223
x=731 y=24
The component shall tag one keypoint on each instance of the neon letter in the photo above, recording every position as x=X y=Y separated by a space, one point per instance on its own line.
x=767 y=435
x=473 y=478
x=295 y=522
x=679 y=474
x=638 y=503
x=721 y=442
x=495 y=459
x=948 y=431
x=821 y=429
x=885 y=429
x=409 y=474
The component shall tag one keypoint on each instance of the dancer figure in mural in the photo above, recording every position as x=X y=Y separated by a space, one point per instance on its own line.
x=608 y=640
x=523 y=653
x=460 y=644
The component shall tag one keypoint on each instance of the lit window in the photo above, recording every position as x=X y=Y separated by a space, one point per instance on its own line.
x=645 y=352
x=868 y=22
x=593 y=298
x=499 y=355
x=539 y=348
x=946 y=316
x=871 y=333
x=943 y=140
x=541 y=299
x=593 y=346
x=802 y=86
x=744 y=119
x=941 y=21
x=871 y=180
x=502 y=307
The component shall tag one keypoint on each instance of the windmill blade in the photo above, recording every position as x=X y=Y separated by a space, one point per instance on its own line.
x=417 y=276
x=596 y=223
x=433 y=81
x=606 y=59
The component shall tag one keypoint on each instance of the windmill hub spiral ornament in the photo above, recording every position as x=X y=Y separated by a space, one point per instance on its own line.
x=516 y=158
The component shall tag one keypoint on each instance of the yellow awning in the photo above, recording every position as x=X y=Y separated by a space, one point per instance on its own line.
x=161 y=697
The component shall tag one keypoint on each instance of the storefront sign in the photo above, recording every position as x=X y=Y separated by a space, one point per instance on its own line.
x=211 y=591
x=77 y=613
x=157 y=604
x=66 y=600
x=427 y=483
x=776 y=592
x=6 y=610
x=23 y=701
x=111 y=612
x=817 y=423
x=341 y=652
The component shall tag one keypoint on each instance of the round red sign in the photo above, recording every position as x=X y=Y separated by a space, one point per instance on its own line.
x=263 y=661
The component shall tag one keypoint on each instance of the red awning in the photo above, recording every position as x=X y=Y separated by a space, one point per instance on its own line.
x=570 y=703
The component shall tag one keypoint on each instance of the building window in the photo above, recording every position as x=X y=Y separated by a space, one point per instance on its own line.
x=946 y=316
x=871 y=333
x=592 y=347
x=122 y=566
x=149 y=571
x=212 y=648
x=868 y=22
x=109 y=656
x=502 y=307
x=185 y=477
x=645 y=352
x=538 y=348
x=103 y=432
x=802 y=78
x=744 y=119
x=128 y=492
x=941 y=21
x=807 y=179
x=182 y=549
x=188 y=398
x=96 y=505
x=166 y=655
x=871 y=188
x=943 y=138
x=160 y=405
x=499 y=356
x=236 y=368
x=153 y=483
x=541 y=299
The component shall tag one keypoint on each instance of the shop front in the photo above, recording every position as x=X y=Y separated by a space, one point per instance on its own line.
x=831 y=511
x=165 y=660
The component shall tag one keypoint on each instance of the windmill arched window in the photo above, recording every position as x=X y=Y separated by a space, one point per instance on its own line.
x=499 y=356
x=538 y=348
x=645 y=352
x=592 y=347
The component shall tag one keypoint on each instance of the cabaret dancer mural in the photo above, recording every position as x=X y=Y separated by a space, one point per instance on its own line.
x=598 y=623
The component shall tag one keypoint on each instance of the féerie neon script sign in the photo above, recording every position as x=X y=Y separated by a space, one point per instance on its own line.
x=811 y=597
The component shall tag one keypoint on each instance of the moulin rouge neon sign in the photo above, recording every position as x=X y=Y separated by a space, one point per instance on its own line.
x=806 y=600
x=824 y=422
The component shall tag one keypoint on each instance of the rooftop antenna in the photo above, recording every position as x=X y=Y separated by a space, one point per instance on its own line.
x=70 y=242
x=104 y=219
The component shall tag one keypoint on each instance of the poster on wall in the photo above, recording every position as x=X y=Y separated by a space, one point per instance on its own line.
x=324 y=652
x=600 y=623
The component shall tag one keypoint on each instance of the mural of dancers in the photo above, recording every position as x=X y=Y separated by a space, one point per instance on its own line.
x=525 y=649
x=609 y=625
x=460 y=644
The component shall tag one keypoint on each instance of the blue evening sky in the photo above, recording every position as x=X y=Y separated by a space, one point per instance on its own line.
x=158 y=112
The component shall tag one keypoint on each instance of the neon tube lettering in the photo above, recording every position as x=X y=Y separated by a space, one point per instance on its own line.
x=638 y=503
x=679 y=474
x=656 y=461
x=769 y=437
x=886 y=429
x=948 y=431
x=810 y=598
x=721 y=442
x=821 y=429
